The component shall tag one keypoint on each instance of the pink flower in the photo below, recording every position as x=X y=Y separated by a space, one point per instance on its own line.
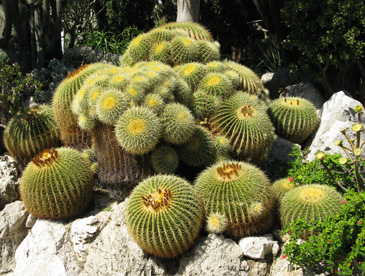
x=344 y=201
x=329 y=241
x=291 y=179
x=359 y=222
x=284 y=256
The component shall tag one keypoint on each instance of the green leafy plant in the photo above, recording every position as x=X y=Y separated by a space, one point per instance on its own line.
x=339 y=242
x=14 y=89
x=302 y=172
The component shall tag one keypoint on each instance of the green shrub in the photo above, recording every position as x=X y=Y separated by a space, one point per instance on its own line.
x=302 y=172
x=327 y=43
x=339 y=244
x=14 y=89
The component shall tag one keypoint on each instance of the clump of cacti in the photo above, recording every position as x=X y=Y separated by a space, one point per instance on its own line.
x=248 y=127
x=294 y=118
x=241 y=192
x=57 y=184
x=30 y=132
x=164 y=215
x=309 y=202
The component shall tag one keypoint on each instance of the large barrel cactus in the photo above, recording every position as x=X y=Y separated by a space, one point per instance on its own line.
x=57 y=184
x=164 y=215
x=30 y=132
x=245 y=123
x=241 y=192
x=294 y=118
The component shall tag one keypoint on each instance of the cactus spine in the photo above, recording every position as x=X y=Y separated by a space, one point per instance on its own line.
x=57 y=184
x=294 y=118
x=281 y=186
x=164 y=159
x=164 y=215
x=241 y=192
x=30 y=132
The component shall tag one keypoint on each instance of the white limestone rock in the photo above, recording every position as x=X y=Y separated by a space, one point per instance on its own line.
x=258 y=247
x=9 y=184
x=336 y=114
x=12 y=233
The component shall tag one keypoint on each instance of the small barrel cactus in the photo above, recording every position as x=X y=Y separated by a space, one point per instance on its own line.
x=30 y=132
x=281 y=186
x=294 y=118
x=164 y=215
x=164 y=159
x=216 y=84
x=241 y=192
x=309 y=202
x=138 y=130
x=57 y=184
x=178 y=123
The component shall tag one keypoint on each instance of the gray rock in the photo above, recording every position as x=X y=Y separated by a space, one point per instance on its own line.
x=12 y=233
x=259 y=247
x=307 y=91
x=40 y=250
x=214 y=255
x=336 y=114
x=9 y=184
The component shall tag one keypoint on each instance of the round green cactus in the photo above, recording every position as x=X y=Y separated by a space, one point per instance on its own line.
x=199 y=150
x=57 y=184
x=164 y=215
x=178 y=123
x=249 y=129
x=223 y=147
x=161 y=52
x=208 y=51
x=164 y=159
x=184 y=50
x=155 y=102
x=138 y=130
x=158 y=35
x=294 y=118
x=139 y=48
x=240 y=191
x=192 y=29
x=192 y=73
x=205 y=105
x=281 y=186
x=309 y=202
x=216 y=66
x=216 y=84
x=110 y=105
x=85 y=121
x=71 y=134
x=30 y=132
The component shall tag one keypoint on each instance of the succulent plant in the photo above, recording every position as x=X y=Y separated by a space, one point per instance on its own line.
x=192 y=73
x=223 y=147
x=30 y=132
x=164 y=215
x=164 y=159
x=216 y=223
x=71 y=134
x=205 y=105
x=110 y=105
x=161 y=52
x=57 y=184
x=184 y=50
x=155 y=102
x=240 y=191
x=138 y=130
x=208 y=51
x=294 y=118
x=309 y=202
x=249 y=129
x=281 y=186
x=178 y=123
x=192 y=29
x=216 y=84
x=139 y=48
x=199 y=150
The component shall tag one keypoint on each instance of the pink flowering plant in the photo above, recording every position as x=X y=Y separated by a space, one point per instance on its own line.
x=338 y=243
